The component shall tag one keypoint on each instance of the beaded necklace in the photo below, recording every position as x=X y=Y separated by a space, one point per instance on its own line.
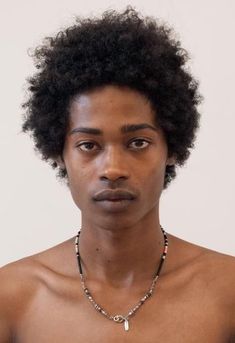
x=121 y=318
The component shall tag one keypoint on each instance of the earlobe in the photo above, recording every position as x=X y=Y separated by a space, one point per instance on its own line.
x=59 y=160
x=170 y=161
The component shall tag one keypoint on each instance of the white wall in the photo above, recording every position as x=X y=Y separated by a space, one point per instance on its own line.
x=36 y=211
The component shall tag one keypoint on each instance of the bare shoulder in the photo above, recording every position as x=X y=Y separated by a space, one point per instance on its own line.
x=212 y=272
x=217 y=269
x=220 y=271
x=17 y=284
x=219 y=274
x=20 y=277
x=20 y=281
x=16 y=280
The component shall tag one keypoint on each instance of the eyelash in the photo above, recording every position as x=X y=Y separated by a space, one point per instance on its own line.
x=89 y=142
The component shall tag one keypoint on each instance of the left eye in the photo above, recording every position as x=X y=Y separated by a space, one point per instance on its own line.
x=139 y=143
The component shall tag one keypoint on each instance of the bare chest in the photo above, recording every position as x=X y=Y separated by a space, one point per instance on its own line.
x=179 y=316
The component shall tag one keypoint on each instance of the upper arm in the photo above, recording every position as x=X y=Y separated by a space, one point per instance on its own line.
x=232 y=315
x=17 y=288
x=5 y=332
x=220 y=272
x=5 y=326
x=229 y=294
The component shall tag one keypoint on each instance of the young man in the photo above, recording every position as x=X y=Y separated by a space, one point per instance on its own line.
x=113 y=107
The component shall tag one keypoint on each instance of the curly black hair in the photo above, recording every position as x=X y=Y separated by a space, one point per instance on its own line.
x=118 y=48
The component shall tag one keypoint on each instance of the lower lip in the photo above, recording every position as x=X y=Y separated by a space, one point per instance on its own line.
x=114 y=205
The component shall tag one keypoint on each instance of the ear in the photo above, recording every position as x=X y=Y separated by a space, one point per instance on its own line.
x=170 y=161
x=59 y=160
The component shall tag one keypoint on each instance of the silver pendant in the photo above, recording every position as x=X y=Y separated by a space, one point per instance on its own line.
x=126 y=325
x=119 y=319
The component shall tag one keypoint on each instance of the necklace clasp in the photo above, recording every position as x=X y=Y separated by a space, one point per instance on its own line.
x=118 y=318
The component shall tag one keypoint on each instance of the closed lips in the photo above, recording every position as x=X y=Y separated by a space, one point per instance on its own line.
x=113 y=195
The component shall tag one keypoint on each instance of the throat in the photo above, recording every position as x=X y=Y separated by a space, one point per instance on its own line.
x=121 y=266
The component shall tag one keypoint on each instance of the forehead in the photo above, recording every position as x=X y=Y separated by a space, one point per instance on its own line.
x=110 y=106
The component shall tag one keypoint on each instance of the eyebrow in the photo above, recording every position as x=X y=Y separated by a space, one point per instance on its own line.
x=124 y=129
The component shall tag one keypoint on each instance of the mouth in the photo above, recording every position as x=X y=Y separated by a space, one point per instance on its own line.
x=114 y=195
x=114 y=200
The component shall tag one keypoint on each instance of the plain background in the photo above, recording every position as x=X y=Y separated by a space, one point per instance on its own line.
x=36 y=211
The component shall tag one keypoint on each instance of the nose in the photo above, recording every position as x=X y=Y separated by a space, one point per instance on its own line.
x=113 y=165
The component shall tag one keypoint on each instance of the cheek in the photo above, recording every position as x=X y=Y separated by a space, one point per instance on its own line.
x=78 y=178
x=76 y=170
x=154 y=180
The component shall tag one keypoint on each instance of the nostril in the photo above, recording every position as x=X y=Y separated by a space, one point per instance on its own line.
x=114 y=173
x=112 y=177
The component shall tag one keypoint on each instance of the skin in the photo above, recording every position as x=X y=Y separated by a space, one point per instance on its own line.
x=41 y=297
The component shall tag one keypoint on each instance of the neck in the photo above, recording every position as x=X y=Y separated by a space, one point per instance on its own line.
x=122 y=257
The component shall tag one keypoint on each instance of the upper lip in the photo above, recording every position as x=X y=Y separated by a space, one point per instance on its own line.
x=118 y=194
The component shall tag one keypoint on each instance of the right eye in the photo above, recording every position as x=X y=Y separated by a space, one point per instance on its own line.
x=86 y=146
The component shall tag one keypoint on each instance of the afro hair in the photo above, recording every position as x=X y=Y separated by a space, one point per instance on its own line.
x=118 y=48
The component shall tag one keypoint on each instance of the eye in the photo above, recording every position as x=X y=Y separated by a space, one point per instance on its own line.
x=86 y=146
x=139 y=143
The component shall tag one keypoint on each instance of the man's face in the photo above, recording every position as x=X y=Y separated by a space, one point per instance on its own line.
x=114 y=161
